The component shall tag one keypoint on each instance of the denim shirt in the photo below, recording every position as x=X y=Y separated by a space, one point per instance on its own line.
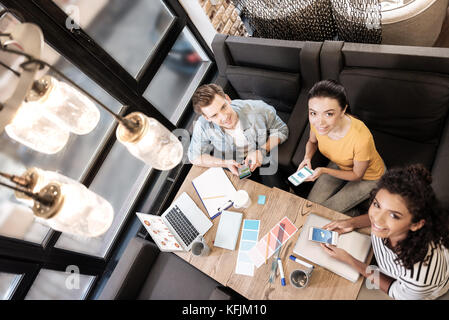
x=258 y=121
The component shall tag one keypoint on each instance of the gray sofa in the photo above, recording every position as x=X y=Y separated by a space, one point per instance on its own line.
x=400 y=92
x=145 y=273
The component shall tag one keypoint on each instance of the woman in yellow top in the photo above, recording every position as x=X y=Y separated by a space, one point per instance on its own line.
x=355 y=165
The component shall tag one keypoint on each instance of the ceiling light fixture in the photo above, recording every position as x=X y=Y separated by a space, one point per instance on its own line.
x=41 y=113
x=63 y=204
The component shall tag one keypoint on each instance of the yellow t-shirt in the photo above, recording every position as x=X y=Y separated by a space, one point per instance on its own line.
x=357 y=144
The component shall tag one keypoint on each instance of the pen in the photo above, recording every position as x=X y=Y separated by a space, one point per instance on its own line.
x=220 y=209
x=281 y=271
x=308 y=265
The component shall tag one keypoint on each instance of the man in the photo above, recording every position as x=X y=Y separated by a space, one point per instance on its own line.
x=237 y=132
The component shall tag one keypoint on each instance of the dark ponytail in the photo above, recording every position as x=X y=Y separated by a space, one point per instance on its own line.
x=330 y=89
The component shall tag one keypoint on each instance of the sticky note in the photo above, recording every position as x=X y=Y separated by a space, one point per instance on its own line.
x=261 y=200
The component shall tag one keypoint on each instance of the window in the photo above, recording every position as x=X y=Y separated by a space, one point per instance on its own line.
x=8 y=282
x=72 y=161
x=113 y=58
x=58 y=285
x=128 y=30
x=120 y=187
x=178 y=77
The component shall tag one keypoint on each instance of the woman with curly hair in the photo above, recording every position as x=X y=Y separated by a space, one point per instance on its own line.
x=409 y=234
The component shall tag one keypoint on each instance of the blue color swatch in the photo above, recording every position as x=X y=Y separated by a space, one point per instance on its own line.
x=251 y=224
x=249 y=235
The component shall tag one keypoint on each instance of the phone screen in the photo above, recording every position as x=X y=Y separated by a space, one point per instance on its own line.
x=299 y=176
x=244 y=172
x=321 y=235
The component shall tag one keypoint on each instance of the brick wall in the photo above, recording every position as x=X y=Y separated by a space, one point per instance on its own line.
x=224 y=17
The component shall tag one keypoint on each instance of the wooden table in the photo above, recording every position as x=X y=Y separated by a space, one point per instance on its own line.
x=220 y=263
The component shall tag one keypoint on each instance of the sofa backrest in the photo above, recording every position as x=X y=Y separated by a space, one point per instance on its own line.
x=401 y=94
x=267 y=69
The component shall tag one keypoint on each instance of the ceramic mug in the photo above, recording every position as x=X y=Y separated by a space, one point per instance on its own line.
x=200 y=247
x=300 y=278
x=241 y=199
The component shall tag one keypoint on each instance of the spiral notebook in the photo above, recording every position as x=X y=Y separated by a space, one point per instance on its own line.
x=215 y=190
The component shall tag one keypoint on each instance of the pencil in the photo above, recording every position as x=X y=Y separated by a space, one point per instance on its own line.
x=207 y=198
x=268 y=242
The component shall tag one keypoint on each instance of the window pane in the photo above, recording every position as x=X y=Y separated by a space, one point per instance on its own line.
x=119 y=180
x=16 y=220
x=178 y=77
x=58 y=285
x=128 y=30
x=8 y=283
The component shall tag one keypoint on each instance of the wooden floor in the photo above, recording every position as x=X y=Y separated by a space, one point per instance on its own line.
x=443 y=39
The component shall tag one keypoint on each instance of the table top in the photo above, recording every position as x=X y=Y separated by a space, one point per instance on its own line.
x=220 y=263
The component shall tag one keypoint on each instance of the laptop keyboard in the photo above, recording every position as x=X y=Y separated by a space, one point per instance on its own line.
x=185 y=230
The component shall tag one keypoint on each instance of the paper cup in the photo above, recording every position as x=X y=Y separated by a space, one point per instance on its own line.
x=241 y=199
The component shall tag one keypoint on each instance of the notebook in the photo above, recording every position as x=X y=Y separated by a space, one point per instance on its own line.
x=178 y=227
x=228 y=230
x=215 y=190
x=357 y=244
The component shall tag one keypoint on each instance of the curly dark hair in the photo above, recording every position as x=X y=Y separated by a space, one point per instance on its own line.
x=413 y=184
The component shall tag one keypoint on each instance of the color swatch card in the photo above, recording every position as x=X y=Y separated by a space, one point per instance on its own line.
x=272 y=241
x=248 y=239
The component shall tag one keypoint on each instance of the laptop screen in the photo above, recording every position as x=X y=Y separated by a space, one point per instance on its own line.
x=161 y=235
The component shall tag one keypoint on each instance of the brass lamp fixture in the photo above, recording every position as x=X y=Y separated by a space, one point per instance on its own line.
x=42 y=113
x=63 y=204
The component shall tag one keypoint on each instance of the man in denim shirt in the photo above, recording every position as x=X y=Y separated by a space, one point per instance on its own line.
x=236 y=132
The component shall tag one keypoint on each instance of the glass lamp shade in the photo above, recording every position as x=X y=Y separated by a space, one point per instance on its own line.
x=37 y=179
x=31 y=128
x=66 y=106
x=152 y=142
x=76 y=210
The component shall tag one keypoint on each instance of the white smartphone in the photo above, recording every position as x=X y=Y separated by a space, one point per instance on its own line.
x=323 y=236
x=299 y=176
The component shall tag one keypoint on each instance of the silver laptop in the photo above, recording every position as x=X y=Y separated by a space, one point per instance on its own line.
x=178 y=227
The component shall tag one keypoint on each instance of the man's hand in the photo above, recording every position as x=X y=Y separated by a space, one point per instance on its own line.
x=233 y=166
x=254 y=159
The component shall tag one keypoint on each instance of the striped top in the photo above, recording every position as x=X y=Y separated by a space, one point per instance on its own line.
x=424 y=281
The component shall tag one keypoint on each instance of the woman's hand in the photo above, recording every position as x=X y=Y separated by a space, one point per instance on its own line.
x=317 y=172
x=305 y=162
x=337 y=253
x=340 y=226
